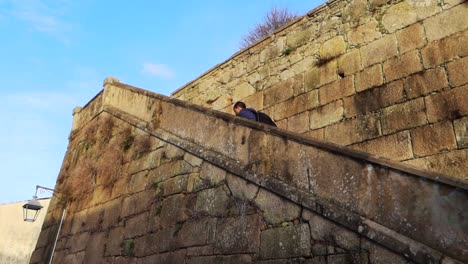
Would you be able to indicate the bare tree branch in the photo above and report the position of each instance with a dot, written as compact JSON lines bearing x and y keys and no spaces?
{"x":274,"y":19}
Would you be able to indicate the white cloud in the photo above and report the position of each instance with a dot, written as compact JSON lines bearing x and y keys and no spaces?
{"x":159,"y":70}
{"x":43,"y":16}
{"x":46,"y":101}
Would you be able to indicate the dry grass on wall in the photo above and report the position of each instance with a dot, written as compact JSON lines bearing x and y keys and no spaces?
{"x":109,"y":166}
{"x":82,"y":179}
{"x":105,"y":129}
{"x":142,"y":145}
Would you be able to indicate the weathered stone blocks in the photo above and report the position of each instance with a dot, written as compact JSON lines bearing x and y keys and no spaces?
{"x":349,"y":62}
{"x":461,"y":132}
{"x":364,"y":34}
{"x":379,"y":50}
{"x":446,"y":23}
{"x":395,"y":146}
{"x":369,"y":77}
{"x":444,"y":50}
{"x":402,"y":66}
{"x":332,"y":48}
{"x":451,"y":163}
{"x":433,"y":138}
{"x":212,"y":202}
{"x":408,"y":12}
{"x":285,"y":242}
{"x":423,"y":83}
{"x":336,"y":90}
{"x":326,"y":115}
{"x":299,"y":123}
{"x":375,"y":99}
{"x":403,"y":116}
{"x":457,"y":72}
{"x":450,"y":104}
{"x":238,"y":235}
{"x":353,"y":130}
{"x":277,"y":209}
{"x":411,"y":38}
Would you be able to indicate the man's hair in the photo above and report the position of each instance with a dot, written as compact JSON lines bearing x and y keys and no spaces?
{"x":240,"y":104}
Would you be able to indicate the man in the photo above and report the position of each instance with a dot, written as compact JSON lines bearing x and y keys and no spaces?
{"x":241,"y":110}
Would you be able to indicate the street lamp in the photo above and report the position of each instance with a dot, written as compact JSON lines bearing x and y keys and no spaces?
{"x":32,"y":208}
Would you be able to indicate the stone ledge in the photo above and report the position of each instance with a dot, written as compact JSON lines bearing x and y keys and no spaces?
{"x":333,"y":148}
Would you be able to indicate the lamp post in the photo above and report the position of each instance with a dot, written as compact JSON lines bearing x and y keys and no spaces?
{"x":32,"y":208}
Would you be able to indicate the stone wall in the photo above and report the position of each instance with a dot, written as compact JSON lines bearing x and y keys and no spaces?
{"x":151,"y":179}
{"x":386,"y":77}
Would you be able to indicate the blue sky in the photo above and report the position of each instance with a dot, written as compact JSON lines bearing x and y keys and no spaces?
{"x":55,"y":54}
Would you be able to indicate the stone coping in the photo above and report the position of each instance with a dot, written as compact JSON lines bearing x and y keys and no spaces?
{"x":331,"y":147}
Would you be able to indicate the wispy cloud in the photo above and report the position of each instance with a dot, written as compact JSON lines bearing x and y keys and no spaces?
{"x":37,"y":101}
{"x":160,"y":70}
{"x":44,"y":16}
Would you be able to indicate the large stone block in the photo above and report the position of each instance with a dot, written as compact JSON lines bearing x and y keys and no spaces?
{"x":285,"y":242}
{"x":299,"y":123}
{"x":214,"y":175}
{"x":336,"y":90}
{"x":136,"y":226}
{"x":198,"y":232}
{"x":212,"y":202}
{"x":242,"y":90}
{"x":449,"y":163}
{"x":434,"y":138}
{"x":374,"y":99}
{"x":278,"y":93}
{"x":446,"y":23}
{"x":457,"y":72}
{"x":403,"y":116}
{"x":241,"y":188}
{"x":169,"y":170}
{"x":395,"y":147}
{"x":411,"y":38}
{"x":296,"y":105}
{"x":149,"y":161}
{"x":370,"y":77}
{"x":332,"y":48}
{"x":402,"y":66}
{"x":425,"y":82}
{"x":255,"y":101}
{"x":94,"y":252}
{"x":450,"y":104}
{"x":111,"y":214}
{"x":349,"y":62}
{"x":364,"y":33}
{"x":137,"y":203}
{"x":176,"y":208}
{"x":444,"y":50}
{"x":275,"y":208}
{"x":461,"y":132}
{"x":353,"y":130}
{"x":326,"y":115}
{"x":379,"y":50}
{"x":320,"y":74}
{"x":408,"y":12}
{"x":238,"y":235}
{"x":175,"y":185}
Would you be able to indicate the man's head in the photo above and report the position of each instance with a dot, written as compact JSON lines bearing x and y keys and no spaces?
{"x":238,"y":106}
